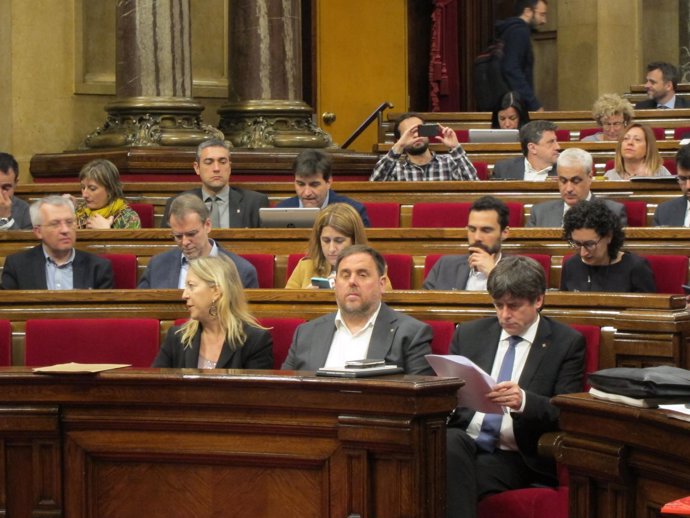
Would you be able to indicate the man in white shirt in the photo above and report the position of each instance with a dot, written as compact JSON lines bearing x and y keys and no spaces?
{"x":575,"y":176}
{"x":363,"y":327}
{"x":540,"y":151}
{"x":676,"y":212}
{"x":533,"y":358}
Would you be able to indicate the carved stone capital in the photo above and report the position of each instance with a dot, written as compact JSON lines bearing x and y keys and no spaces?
{"x":271,"y":123}
{"x":152,"y":121}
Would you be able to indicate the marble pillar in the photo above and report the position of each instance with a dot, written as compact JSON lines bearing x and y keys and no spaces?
{"x":153,"y":75}
{"x":265,"y":106}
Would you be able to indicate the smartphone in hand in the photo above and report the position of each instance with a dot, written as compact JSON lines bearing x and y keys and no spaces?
{"x":428,"y":130}
{"x":321,"y":283}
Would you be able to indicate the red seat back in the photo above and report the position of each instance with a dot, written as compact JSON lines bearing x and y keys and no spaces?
{"x":124,"y":270}
{"x":98,"y":340}
{"x":482,"y":169}
{"x":456,"y":214}
{"x":145,"y":211}
{"x":592,"y":336}
{"x":383,"y":214}
{"x":637,"y":213}
{"x":545,"y":261}
{"x":443,"y":334}
{"x":264,"y":268}
{"x":563,"y":135}
{"x":670,"y":272}
{"x":282,"y":330}
{"x":5,"y":343}
{"x":462,"y":134}
{"x":681,"y":133}
{"x":400,"y":267}
{"x":429,"y":262}
{"x":292,"y":261}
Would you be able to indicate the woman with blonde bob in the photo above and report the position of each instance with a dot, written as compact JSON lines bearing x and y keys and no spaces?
{"x":221,"y":333}
{"x":103,"y":205}
{"x":637,"y":155}
{"x":613,"y":114}
{"x":336,"y":227}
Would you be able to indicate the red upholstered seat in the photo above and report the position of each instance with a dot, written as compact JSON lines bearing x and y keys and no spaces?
{"x":637,"y":213}
{"x":429,"y":262}
{"x":5,"y":343}
{"x":124,"y":270}
{"x":264,"y":268}
{"x":282,"y":330}
{"x":463,"y":135}
{"x":543,"y":502}
{"x":292,"y":261}
{"x":482,"y":170}
{"x":670,"y":272}
{"x":681,"y":133}
{"x":563,"y":135}
{"x":443,"y":334}
{"x":456,"y":214}
{"x":400,"y":267}
{"x":98,"y":340}
{"x":383,"y":214}
{"x":145,"y":211}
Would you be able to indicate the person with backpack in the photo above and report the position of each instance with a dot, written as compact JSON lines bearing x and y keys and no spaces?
{"x":518,"y":59}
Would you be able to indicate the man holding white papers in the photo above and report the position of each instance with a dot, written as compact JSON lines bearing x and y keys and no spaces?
{"x":533,"y":358}
{"x":363,"y":327}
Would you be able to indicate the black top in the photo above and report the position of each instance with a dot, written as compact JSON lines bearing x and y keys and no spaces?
{"x":632,"y":274}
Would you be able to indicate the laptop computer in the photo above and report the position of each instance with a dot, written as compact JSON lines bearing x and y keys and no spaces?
{"x":288,"y":217}
{"x":494,"y":135}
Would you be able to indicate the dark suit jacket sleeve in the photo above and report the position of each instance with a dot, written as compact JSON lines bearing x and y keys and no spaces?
{"x":254,"y":201}
{"x":418,"y":346}
{"x":166,"y":354}
{"x":145,"y":281}
{"x":9,"y":274}
{"x":102,"y":273}
{"x":257,"y":352}
{"x":292,"y":361}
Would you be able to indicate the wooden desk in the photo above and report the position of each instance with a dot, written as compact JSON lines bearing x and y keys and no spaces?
{"x":637,"y":329}
{"x":161,"y":443}
{"x":623,"y":461}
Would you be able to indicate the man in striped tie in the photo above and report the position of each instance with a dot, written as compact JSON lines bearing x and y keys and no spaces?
{"x":533,"y":358}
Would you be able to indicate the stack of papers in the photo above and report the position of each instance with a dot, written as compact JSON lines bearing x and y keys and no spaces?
{"x":358,"y":372}
{"x":477,"y":382}
{"x":79,"y":368}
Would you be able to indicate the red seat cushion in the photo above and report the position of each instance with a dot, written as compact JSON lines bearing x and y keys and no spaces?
{"x":637,"y":213}
{"x":282,"y":330}
{"x":292,"y":261}
{"x":145,"y":211}
{"x":588,"y":131}
{"x":443,"y":333}
{"x":670,"y":272}
{"x":264,"y":268}
{"x":5,"y":343}
{"x":456,"y":214}
{"x":99,"y":340}
{"x":124,"y":270}
{"x":383,"y":214}
{"x":400,"y":267}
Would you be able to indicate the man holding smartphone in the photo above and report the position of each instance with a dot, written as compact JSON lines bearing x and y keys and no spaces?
{"x":410,"y":158}
{"x":363,"y":327}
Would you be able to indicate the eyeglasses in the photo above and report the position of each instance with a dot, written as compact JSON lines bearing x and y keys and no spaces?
{"x":616,"y":124}
{"x":70,"y":223}
{"x":587,"y":245}
{"x":682,"y":179}
{"x":189,"y":235}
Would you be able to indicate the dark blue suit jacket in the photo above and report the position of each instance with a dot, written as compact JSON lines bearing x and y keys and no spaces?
{"x":163,"y":270}
{"x":671,"y":213}
{"x":27,"y":271}
{"x":333,"y":197}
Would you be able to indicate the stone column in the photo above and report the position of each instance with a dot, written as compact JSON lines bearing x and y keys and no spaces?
{"x":154,"y":105}
{"x":265,"y":106}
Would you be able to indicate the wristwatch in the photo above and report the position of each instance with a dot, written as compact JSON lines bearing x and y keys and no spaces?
{"x":4,"y":221}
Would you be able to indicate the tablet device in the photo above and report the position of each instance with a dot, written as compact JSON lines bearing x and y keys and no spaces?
{"x":288,"y":217}
{"x":494,"y":135}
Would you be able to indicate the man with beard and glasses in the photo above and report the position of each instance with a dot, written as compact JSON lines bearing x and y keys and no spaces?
{"x":410,"y":158}
{"x":676,"y":212}
{"x":363,"y":327}
{"x":518,"y":58}
{"x":487,"y":227}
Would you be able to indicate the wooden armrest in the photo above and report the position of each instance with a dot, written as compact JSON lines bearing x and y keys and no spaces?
{"x":548,"y":443}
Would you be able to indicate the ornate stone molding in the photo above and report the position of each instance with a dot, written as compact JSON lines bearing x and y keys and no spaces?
{"x":271,"y":123}
{"x":152,"y":121}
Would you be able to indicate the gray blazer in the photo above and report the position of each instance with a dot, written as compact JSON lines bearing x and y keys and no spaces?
{"x":397,"y":338}
{"x":163,"y":270}
{"x":243,"y":208}
{"x":550,"y":213}
{"x":671,"y":213}
{"x":449,"y":273}
{"x":513,"y":169}
{"x":20,"y":214}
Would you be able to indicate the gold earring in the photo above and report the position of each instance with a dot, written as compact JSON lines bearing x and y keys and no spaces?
{"x":213,"y":310}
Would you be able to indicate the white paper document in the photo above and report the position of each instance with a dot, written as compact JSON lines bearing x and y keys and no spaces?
{"x":477,"y":382}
